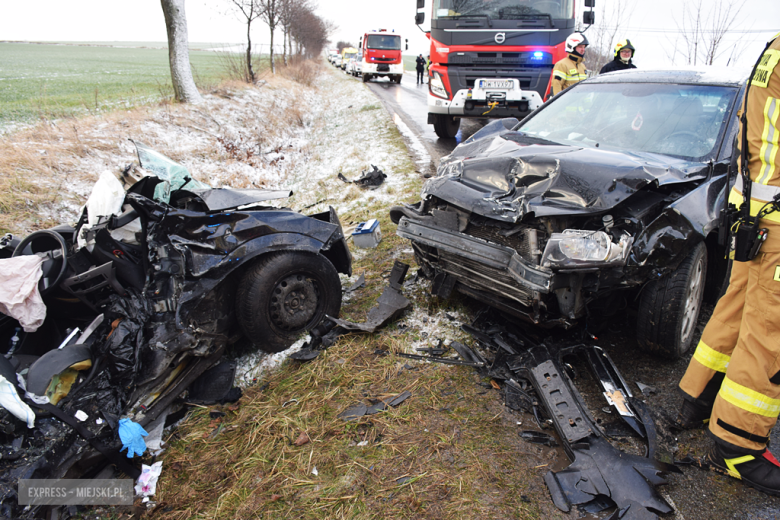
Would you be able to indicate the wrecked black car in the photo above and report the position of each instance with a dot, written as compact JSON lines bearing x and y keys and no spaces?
{"x":141,"y":298}
{"x":607,"y":195}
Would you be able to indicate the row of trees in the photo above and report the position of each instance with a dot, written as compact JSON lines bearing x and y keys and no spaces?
{"x":303,"y":32}
{"x":701,"y":29}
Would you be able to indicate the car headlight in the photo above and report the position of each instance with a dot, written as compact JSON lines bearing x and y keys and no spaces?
{"x":437,"y":86}
{"x":582,"y":248}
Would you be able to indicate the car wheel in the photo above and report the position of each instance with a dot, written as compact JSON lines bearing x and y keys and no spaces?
{"x":365,"y":78}
{"x":398,"y":79}
{"x":669,"y":307}
{"x":285,"y":294}
{"x":446,"y":127}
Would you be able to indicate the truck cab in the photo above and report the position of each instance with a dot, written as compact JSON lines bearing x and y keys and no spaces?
{"x":382,"y":51}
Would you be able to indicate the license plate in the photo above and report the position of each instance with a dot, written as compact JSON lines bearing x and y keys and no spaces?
{"x":496,"y":83}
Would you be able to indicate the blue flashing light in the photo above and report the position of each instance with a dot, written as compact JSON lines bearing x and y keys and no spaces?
{"x":538,"y":55}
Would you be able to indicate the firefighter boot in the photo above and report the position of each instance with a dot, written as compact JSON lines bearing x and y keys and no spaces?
{"x":692,"y":415}
{"x":758,"y":469}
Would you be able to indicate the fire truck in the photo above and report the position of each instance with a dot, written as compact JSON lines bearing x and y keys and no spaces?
{"x":493,"y":58}
{"x":382,"y":55}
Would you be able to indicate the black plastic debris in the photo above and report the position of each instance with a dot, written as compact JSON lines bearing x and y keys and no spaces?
{"x":390,"y":305}
{"x":215,"y":385}
{"x":359,"y":410}
{"x":646,"y":389}
{"x":360,"y":282}
{"x":369,"y":178}
{"x":538,"y":438}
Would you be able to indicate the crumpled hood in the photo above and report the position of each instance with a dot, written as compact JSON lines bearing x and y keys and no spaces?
{"x":502,"y":178}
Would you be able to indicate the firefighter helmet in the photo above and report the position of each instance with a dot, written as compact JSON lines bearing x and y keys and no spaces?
{"x":624,"y":44}
{"x":574,"y":40}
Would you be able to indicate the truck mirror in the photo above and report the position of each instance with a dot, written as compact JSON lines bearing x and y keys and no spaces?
{"x":419,"y":18}
{"x":588,"y":17}
{"x":421,"y":4}
{"x":590,"y":3}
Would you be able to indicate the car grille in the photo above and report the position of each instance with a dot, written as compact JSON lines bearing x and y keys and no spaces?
{"x":479,"y":276}
{"x":517,"y":241}
{"x":385,"y":59}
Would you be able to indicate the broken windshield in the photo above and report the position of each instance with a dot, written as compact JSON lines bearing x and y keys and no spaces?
{"x":502,"y":9}
{"x":174,"y":175}
{"x":682,"y":120}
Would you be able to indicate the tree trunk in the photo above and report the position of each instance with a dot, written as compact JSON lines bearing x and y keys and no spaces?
{"x":273,"y":66}
{"x":285,"y":37}
{"x":250,"y":71}
{"x":179,"y":53}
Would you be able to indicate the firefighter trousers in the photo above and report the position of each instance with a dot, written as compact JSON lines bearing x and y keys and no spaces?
{"x":736,"y":365}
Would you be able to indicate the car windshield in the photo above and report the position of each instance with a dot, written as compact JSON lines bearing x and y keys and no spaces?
{"x":350,"y":55}
{"x":385,"y":41}
{"x":687,"y":121}
{"x":502,"y":9}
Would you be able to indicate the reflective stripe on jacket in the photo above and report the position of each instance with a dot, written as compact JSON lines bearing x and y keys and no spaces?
{"x":567,"y":72}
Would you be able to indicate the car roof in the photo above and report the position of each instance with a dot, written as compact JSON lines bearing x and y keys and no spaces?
{"x":725,"y":76}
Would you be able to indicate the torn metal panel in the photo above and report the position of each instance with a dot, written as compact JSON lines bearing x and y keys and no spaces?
{"x":219,"y":199}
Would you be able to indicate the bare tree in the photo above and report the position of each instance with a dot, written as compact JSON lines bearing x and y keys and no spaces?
{"x":702,"y":28}
{"x":271,"y":14}
{"x":607,"y":30}
{"x":250,"y":11}
{"x":178,"y":52}
{"x":310,"y":32}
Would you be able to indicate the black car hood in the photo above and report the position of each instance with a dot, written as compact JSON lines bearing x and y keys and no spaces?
{"x":501,"y":177}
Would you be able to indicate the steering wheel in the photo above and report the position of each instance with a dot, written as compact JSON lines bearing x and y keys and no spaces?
{"x":53,"y":259}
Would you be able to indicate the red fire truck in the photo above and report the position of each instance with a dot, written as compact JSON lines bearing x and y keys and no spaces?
{"x":493,"y":58}
{"x":381,"y":50}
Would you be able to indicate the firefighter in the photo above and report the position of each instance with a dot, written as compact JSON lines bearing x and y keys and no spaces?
{"x":733,"y":380}
{"x":570,"y":69}
{"x":624,"y":52}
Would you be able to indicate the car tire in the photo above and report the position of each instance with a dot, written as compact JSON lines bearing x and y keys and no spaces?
{"x":365,"y":78}
{"x":285,"y":294}
{"x":398,"y":79}
{"x":669,"y":307}
{"x":446,"y":127}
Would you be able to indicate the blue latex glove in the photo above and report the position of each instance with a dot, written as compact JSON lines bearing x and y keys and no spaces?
{"x":132,"y":437}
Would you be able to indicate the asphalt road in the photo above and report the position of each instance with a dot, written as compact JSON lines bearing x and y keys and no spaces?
{"x":695,"y":493}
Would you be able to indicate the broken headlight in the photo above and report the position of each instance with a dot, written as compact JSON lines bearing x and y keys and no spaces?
{"x":581,"y":248}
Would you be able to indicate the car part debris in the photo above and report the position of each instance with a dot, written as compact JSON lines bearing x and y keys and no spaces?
{"x":598,"y":469}
{"x":538,"y":438}
{"x":446,"y":361}
{"x":646,"y":389}
{"x":367,"y":235}
{"x":371,"y":179}
{"x":360,"y":282}
{"x":390,"y":305}
{"x":359,"y":410}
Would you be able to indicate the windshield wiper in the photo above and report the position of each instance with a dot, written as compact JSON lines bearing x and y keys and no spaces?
{"x":460,"y":16}
{"x":523,"y":138}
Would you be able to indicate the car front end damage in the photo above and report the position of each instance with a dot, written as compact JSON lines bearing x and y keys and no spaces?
{"x":542,"y":231}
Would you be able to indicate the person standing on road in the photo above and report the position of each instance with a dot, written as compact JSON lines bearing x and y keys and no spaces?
{"x":570,"y":69}
{"x":624,"y":52}
{"x":427,"y":66}
{"x":733,"y":380}
{"x":420,"y":68}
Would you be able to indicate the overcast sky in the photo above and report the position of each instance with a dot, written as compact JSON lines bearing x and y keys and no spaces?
{"x":652,"y":28}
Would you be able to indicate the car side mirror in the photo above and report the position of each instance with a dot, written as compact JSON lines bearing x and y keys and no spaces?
{"x":420,"y":4}
{"x":590,"y":3}
{"x":419,"y":18}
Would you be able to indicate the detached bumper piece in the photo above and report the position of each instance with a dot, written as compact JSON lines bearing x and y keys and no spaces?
{"x":600,"y":476}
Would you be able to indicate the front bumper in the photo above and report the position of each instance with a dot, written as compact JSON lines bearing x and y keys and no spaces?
{"x":476,"y":102}
{"x":478,"y":263}
{"x":382,"y":69}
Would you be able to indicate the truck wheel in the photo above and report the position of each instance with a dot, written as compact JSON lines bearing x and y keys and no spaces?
{"x":669,"y":307}
{"x":398,"y":79}
{"x":365,"y":78}
{"x":446,"y":127}
{"x":285,"y":294}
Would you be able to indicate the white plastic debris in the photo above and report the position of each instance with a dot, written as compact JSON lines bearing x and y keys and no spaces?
{"x":10,"y":400}
{"x":362,"y":443}
{"x":314,"y":471}
{"x":146,"y":485}
{"x":19,"y":296}
{"x":81,"y":416}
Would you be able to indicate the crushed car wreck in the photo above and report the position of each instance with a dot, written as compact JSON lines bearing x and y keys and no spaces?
{"x":609,"y":193}
{"x":143,"y":296}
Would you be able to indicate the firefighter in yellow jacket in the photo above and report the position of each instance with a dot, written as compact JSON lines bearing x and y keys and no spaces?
{"x":570,"y":69}
{"x":733,"y":380}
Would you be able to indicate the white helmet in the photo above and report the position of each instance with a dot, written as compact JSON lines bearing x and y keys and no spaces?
{"x":574,"y":40}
